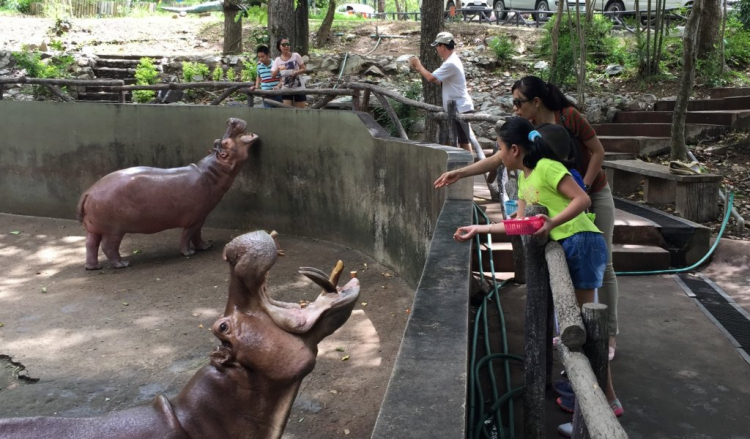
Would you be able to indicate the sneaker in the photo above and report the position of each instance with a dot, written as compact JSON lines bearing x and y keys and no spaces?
{"x":567,"y":403}
{"x":565,"y":429}
{"x":617,"y":407}
{"x":563,"y":388}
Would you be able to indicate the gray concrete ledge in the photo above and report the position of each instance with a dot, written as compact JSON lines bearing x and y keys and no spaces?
{"x":426,"y":396}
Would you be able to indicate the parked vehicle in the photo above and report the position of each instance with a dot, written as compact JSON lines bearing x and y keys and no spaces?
{"x":502,"y":6}
{"x":629,"y":5}
{"x":466,"y":4}
{"x":355,"y":8}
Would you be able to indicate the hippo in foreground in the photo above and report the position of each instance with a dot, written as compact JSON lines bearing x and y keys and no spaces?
{"x":267,"y":348}
{"x":150,"y":200}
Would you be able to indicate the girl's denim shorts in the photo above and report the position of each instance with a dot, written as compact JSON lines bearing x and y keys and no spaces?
{"x":586,"y":254}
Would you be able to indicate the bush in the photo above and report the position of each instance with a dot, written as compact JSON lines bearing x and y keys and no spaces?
{"x":22,"y":6}
{"x":217,"y":74}
{"x":146,"y":73}
{"x":35,"y":67}
{"x":743,"y":13}
{"x":737,"y":41}
{"x":502,"y":47}
{"x":600,"y":45}
{"x":231,"y":75}
{"x":194,"y":71}
{"x":249,"y":72}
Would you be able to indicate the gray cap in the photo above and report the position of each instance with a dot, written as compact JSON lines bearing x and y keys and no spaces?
{"x":443,"y":38}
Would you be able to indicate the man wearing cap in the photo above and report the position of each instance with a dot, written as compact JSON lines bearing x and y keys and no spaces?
{"x":452,"y":78}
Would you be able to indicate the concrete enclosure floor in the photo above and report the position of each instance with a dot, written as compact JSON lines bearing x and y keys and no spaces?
{"x":112,"y":339}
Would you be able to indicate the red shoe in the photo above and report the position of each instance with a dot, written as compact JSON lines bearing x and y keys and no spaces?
{"x":567,"y":403}
{"x":617,"y":408}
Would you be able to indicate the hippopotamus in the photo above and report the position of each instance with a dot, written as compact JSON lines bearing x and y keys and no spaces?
{"x":246,"y":391}
{"x":149,"y":200}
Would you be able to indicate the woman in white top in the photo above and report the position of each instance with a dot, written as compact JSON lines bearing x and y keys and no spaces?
{"x":289,"y":66}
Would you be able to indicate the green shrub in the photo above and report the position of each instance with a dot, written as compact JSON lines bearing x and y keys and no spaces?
{"x":600,"y":45}
{"x":35,"y":67}
{"x":146,"y":73}
{"x":249,"y":72}
{"x":502,"y":46}
{"x":194,"y":71}
{"x":737,"y":42}
{"x":217,"y":74}
{"x":231,"y":75}
{"x":742,"y":9}
{"x":22,"y":6}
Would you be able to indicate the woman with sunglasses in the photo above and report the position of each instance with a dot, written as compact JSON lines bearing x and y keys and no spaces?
{"x":542,"y":102}
{"x":289,"y":66}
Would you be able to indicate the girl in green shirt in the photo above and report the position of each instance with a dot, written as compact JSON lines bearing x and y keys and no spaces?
{"x":544,"y":180}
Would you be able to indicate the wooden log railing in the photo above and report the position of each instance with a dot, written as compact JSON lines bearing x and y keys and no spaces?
{"x":583,"y":347}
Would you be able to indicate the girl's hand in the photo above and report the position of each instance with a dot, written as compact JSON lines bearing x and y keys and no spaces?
{"x":466,"y":233}
{"x":447,"y":179}
{"x":546,"y":228}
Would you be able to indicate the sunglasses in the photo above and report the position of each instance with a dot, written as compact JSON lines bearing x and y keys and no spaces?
{"x":518,"y":102}
{"x":286,"y":44}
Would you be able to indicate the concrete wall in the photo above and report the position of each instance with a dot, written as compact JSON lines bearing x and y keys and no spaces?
{"x":314,"y":173}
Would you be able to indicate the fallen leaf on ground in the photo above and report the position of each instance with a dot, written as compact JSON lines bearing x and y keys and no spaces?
{"x":335,"y":392}
{"x":125,"y":303}
{"x":2,"y":324}
{"x":301,"y":419}
{"x":345,"y":358}
{"x":15,"y":232}
{"x":44,"y":289}
{"x":195,"y":314}
{"x":200,"y":325}
{"x":339,"y":349}
{"x":135,"y":252}
{"x":346,"y":431}
{"x":364,"y":303}
{"x":386,"y":274}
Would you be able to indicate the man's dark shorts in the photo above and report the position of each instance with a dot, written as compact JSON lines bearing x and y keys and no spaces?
{"x":294,"y":98}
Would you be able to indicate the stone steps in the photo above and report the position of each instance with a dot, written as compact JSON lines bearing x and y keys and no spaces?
{"x":735,"y":119}
{"x":721,"y":104}
{"x":693,"y":132}
{"x":113,"y":67}
{"x":638,"y":145}
{"x":728,"y":92}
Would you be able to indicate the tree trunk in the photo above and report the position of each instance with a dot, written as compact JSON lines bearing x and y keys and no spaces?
{"x":302,"y":28}
{"x":232,"y":30}
{"x":381,"y":6}
{"x":324,"y":33}
{"x":689,"y":52}
{"x":555,"y":39}
{"x":432,"y":24}
{"x":581,"y":32}
{"x":709,"y":28}
{"x":280,"y":22}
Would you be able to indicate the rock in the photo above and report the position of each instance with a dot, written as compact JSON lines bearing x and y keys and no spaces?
{"x":310,"y":67}
{"x":43,"y":46}
{"x":614,"y":70}
{"x":329,"y":64}
{"x":350,"y":37}
{"x":171,"y":96}
{"x":404,"y":69}
{"x":183,"y":14}
{"x":480,"y":48}
{"x":390,"y":68}
{"x":541,"y":65}
{"x":374,"y":71}
{"x":611,"y":113}
{"x":418,"y":126}
{"x":404,"y":58}
{"x":231,"y":60}
{"x":305,"y":59}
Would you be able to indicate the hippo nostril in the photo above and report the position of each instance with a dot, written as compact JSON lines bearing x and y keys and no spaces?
{"x":223,"y":327}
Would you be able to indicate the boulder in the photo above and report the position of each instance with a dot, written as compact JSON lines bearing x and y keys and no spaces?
{"x":374,"y":71}
{"x":329,"y":64}
{"x":354,"y":65}
{"x":390,"y":68}
{"x":614,"y":70}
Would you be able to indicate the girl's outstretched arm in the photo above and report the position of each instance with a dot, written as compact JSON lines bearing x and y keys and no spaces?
{"x":489,"y":164}
{"x":467,"y":232}
{"x":579,"y":202}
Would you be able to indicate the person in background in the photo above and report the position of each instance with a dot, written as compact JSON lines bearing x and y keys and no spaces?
{"x":542,"y":102}
{"x":264,"y":78}
{"x":289,"y":66}
{"x":452,"y":78}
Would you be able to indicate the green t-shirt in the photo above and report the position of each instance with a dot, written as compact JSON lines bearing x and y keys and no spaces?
{"x":540,"y":187}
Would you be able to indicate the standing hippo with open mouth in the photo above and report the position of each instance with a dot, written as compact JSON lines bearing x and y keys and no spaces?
{"x":150,"y":200}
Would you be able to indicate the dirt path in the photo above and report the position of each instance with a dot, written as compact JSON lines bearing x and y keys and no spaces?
{"x":112,"y":339}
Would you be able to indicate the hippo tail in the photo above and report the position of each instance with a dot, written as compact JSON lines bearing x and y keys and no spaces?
{"x":79,"y":208}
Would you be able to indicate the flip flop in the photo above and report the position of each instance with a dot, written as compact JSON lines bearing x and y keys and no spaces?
{"x":680,"y":168}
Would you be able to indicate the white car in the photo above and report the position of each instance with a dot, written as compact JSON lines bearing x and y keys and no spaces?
{"x":466,"y":4}
{"x":502,"y":6}
{"x":629,"y":5}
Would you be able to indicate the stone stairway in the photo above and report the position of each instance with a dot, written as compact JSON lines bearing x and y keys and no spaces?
{"x":112,"y":67}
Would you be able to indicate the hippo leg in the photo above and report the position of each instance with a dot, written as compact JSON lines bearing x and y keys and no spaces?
{"x":187,"y":236}
{"x":92,"y":251}
{"x":198,"y":243}
{"x":111,"y":248}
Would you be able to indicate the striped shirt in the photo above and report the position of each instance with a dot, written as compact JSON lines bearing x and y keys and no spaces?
{"x":264,"y":73}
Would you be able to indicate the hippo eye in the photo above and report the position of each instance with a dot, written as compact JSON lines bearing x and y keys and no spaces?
{"x":223,"y":327}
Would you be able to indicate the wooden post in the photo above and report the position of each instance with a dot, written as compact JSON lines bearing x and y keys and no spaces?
{"x":535,"y":331}
{"x":355,"y":100}
{"x":452,"y":112}
{"x":597,"y":338}
{"x":250,"y":100}
{"x":122,"y":96}
{"x":572,"y":331}
{"x":1,"y":91}
{"x":366,"y":100}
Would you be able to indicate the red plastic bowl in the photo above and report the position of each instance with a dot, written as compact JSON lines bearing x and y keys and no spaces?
{"x":524,"y":226}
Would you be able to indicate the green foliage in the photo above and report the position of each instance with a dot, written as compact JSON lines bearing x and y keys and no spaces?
{"x":57,"y":45}
{"x":22,"y":6}
{"x":600,"y":45}
{"x":249,"y":72}
{"x":742,"y":9}
{"x":231,"y":75}
{"x":502,"y":46}
{"x":256,"y":14}
{"x":217,"y":74}
{"x":35,"y":67}
{"x":406,"y":114}
{"x":194,"y":71}
{"x":737,"y":41}
{"x":146,"y":73}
